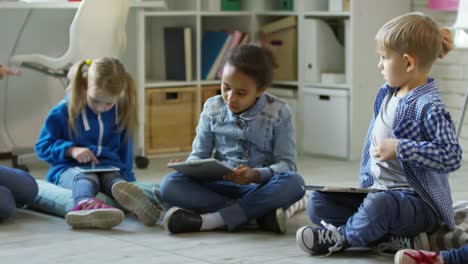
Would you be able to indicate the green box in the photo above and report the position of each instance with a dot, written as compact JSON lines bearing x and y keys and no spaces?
{"x":286,"y":5}
{"x":230,"y":5}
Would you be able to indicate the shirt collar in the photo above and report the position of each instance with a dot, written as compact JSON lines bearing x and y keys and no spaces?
{"x":428,"y":87}
{"x":252,"y":111}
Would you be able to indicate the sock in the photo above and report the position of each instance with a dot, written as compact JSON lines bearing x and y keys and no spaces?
{"x":211,"y":221}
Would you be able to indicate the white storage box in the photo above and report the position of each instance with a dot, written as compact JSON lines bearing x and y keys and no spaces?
{"x":325,"y":122}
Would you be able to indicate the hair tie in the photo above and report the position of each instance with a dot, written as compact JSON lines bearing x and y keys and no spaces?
{"x":88,"y":62}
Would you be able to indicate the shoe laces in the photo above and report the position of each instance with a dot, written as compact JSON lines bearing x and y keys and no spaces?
{"x":330,"y":235}
{"x":93,"y":203}
{"x":421,"y":257}
{"x":394,"y":244}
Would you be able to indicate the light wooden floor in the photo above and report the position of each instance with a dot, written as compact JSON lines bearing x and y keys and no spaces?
{"x":32,"y":237}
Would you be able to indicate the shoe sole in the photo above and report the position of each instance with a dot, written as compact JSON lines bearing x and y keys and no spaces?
{"x":399,"y":257}
{"x":281,"y":219}
{"x":167,"y":218}
{"x":300,"y":240}
{"x":94,"y":219}
{"x":423,"y":241}
{"x":134,"y":199}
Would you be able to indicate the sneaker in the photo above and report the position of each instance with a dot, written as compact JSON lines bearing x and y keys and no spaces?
{"x":411,"y":256}
{"x":274,"y":221}
{"x":396,"y":243}
{"x":158,"y":197}
{"x":178,"y":220}
{"x":132,"y":198}
{"x":317,"y":239}
{"x":94,"y":213}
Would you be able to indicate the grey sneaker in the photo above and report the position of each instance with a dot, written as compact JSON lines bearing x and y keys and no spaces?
{"x":132,"y":198}
{"x":395,"y":243}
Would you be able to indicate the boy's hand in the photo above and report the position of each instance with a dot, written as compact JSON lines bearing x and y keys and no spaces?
{"x":386,"y":149}
{"x":243,"y":175}
{"x":82,"y":155}
{"x":8,"y":71}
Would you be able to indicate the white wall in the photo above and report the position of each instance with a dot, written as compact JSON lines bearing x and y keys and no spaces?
{"x":451,"y":73}
{"x":26,"y":101}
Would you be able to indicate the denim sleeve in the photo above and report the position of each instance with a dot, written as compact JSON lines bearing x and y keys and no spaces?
{"x":202,"y":146}
{"x":284,"y":147}
{"x":441,"y":151}
{"x":53,"y":141}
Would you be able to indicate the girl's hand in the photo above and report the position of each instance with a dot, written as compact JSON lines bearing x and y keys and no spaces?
{"x":243,"y":175}
{"x":386,"y":149}
{"x":174,"y":160}
{"x":8,"y":71}
{"x":82,"y":155}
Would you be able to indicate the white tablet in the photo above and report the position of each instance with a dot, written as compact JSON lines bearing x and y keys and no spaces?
{"x":203,"y":170}
{"x":339,"y":189}
{"x":97,"y":168}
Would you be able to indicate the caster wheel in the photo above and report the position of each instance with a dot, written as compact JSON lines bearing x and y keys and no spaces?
{"x":141,"y":162}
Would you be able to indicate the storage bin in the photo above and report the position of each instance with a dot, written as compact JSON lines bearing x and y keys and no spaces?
{"x":326,"y":122}
{"x":281,"y":37}
{"x":209,"y":91}
{"x":170,"y":119}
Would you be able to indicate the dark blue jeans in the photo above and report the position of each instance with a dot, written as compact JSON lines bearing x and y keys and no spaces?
{"x":368,"y":218}
{"x":237,"y":204}
{"x":17,"y":188}
{"x":455,"y":256}
{"x":87,"y":185}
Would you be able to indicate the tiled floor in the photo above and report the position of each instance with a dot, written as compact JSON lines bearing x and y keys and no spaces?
{"x":32,"y":237}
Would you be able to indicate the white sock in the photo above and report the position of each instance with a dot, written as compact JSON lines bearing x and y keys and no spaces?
{"x":211,"y":221}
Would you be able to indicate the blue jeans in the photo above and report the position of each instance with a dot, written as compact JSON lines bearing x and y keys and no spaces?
{"x":17,"y":188}
{"x":368,"y":218}
{"x":87,"y":185}
{"x":236,"y":203}
{"x":455,"y":256}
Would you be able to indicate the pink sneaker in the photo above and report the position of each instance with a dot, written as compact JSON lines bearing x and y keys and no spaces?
{"x":94,"y":213}
{"x":412,"y":256}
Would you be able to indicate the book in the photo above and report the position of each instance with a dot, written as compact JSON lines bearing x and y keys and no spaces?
{"x":178,"y":53}
{"x":339,"y":189}
{"x":212,"y":44}
{"x":236,"y":39}
{"x":219,"y":58}
{"x":230,"y":5}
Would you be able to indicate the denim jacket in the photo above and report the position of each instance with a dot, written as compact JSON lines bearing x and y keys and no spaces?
{"x":428,"y":149}
{"x":261,"y":137}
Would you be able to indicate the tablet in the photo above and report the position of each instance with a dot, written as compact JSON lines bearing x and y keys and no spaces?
{"x":339,"y":189}
{"x":97,"y":168}
{"x":203,"y":170}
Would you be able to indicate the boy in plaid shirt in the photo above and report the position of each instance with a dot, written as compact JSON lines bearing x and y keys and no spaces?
{"x":409,"y":150}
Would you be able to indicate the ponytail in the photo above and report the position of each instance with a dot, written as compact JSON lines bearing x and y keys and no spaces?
{"x":127,"y":106}
{"x":77,"y":98}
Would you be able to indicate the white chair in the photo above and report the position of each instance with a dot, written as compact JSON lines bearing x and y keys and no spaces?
{"x":97,"y":30}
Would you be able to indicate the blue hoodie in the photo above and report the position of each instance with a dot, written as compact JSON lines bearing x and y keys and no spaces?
{"x":98,"y":132}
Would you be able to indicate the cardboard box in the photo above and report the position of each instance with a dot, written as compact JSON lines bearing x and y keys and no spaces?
{"x":281,"y":37}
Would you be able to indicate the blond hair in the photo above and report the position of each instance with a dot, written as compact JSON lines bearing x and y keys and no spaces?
{"x":412,"y":33}
{"x":109,"y":76}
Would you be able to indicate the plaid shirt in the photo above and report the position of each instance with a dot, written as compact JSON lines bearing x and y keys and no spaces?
{"x":428,"y":148}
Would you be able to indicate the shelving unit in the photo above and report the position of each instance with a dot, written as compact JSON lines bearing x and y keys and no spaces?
{"x":354,"y":29}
